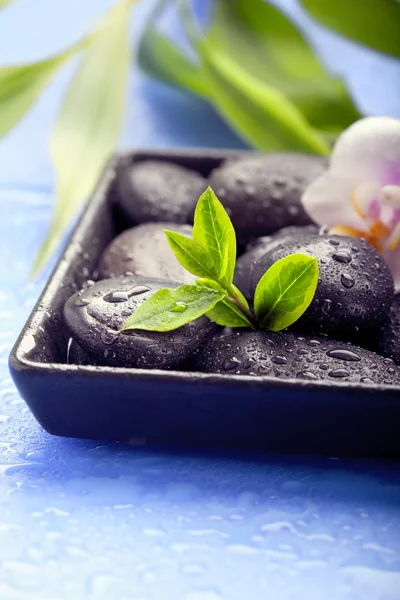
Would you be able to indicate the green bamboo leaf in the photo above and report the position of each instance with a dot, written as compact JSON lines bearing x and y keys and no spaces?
{"x":214,"y":231}
{"x":259,"y":112}
{"x":169,"y":309}
{"x":89,"y":122}
{"x":163,"y":60}
{"x":4,"y":3}
{"x":374,"y":23}
{"x":285,"y":291}
{"x":192,"y":255}
{"x":21,"y":85}
{"x":268,"y":46}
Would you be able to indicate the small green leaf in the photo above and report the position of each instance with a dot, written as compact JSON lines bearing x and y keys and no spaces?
{"x":169,"y":309}
{"x":22,"y":84}
{"x":375,"y":23}
{"x":214,"y":231}
{"x":227,"y":314}
{"x":90,"y":121}
{"x":191,"y":255}
{"x":285,"y":291}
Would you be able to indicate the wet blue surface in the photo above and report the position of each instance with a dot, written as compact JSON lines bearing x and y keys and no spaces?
{"x":80,"y":519}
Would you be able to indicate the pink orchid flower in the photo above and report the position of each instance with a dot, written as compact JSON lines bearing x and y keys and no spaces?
{"x":359,"y":195}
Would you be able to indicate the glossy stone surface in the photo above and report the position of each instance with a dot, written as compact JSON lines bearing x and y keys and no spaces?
{"x":287,"y":355}
{"x":159,"y":191}
{"x":388,"y":338}
{"x":355,"y":287}
{"x":144,"y":251}
{"x":262,"y":193}
{"x":96,"y":315}
{"x":97,"y":521}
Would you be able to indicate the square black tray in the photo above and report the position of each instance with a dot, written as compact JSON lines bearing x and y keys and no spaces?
{"x":180,"y":408}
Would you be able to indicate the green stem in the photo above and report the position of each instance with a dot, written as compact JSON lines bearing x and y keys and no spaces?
{"x":233,"y":297}
{"x":244,"y":310}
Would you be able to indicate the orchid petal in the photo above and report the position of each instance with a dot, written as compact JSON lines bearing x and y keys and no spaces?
{"x":370,"y":148}
{"x":328,"y":200}
{"x":392,"y":260}
{"x":391,"y":195}
{"x":366,"y":197}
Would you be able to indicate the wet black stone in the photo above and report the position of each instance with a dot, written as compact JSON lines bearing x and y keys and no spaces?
{"x":288,"y":355}
{"x":355,"y":289}
{"x":262,"y":193}
{"x":96,"y":323}
{"x":388,"y":339}
{"x":258,"y":247}
{"x":144,"y":251}
{"x":159,"y":191}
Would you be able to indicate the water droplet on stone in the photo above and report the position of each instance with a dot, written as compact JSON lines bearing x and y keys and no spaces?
{"x":344,"y":354}
{"x":306,"y":375}
{"x":327,"y":306}
{"x":342,"y":256}
{"x":123,"y":296}
{"x":230,"y":364}
{"x":347,"y":281}
{"x":82,"y":302}
{"x":334,"y":242}
{"x":108,"y":337}
{"x":367,"y":380}
{"x":338,"y":373}
{"x":279,"y":359}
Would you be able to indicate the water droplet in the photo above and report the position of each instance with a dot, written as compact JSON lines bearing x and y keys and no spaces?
{"x":306,"y":375}
{"x":347,"y":281}
{"x":342,"y":256}
{"x":124,"y":296}
{"x":82,"y":302}
{"x":327,"y":306}
{"x":334,"y":242}
{"x":279,"y":359}
{"x":108,"y":337}
{"x":179,"y":307}
{"x":344,"y":354}
{"x":366,"y":380}
{"x":230,"y":364}
{"x":302,"y":352}
{"x":338,"y":373}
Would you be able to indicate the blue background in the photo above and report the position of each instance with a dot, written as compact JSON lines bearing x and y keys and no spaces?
{"x":80,"y":519}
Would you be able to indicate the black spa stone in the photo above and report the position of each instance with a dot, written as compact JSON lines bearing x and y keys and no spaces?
{"x":355,"y":288}
{"x":144,"y":251}
{"x":388,"y":338}
{"x":159,"y":191}
{"x":96,"y":315}
{"x":287,"y":355}
{"x":261,"y":193}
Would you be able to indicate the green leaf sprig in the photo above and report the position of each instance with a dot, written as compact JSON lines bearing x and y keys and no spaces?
{"x":282,"y":295}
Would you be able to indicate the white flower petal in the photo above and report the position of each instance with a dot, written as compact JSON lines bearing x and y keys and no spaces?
{"x":328,"y":200}
{"x":370,"y":148}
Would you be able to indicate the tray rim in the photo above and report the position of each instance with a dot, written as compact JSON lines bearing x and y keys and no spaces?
{"x":18,"y":360}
